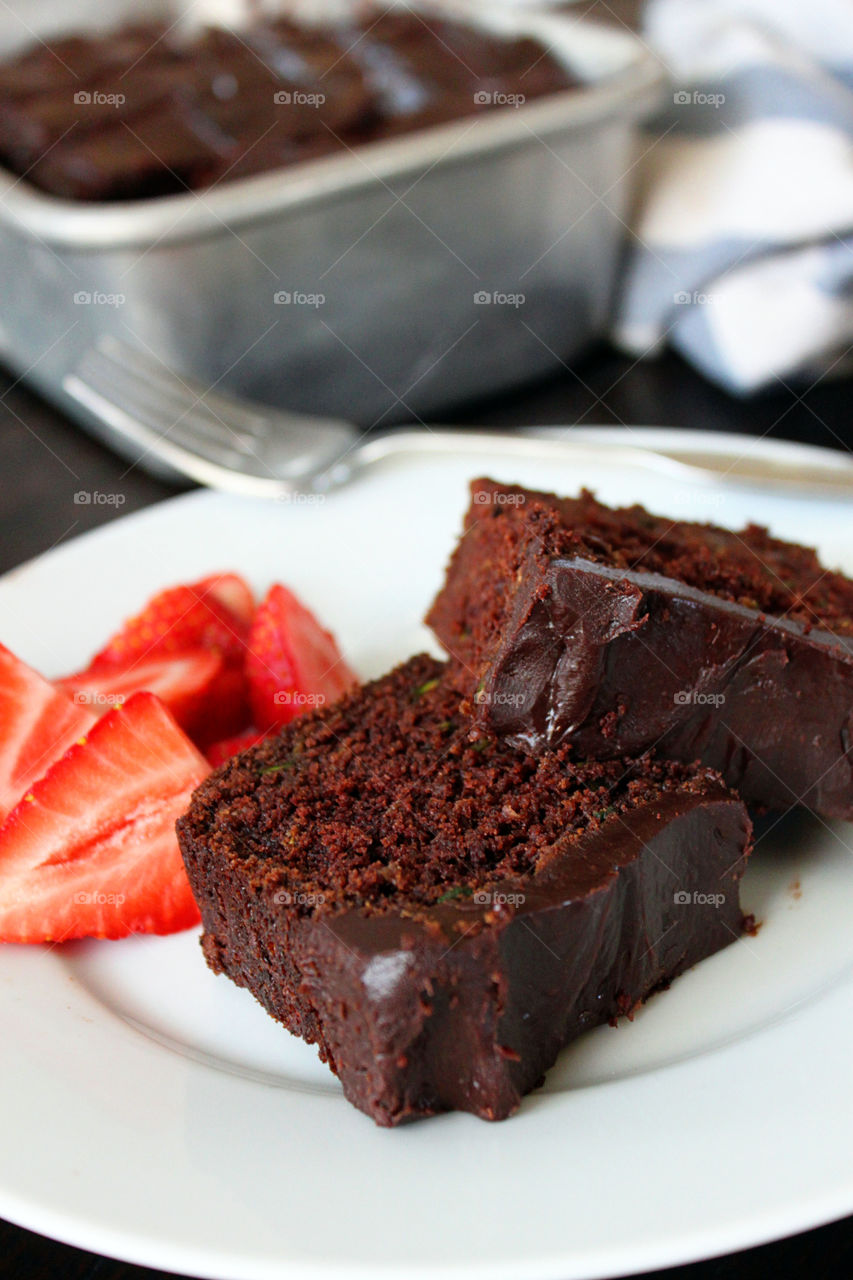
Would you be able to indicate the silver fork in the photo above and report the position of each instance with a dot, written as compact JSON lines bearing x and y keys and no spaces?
{"x":173,"y":423}
{"x":212,"y":438}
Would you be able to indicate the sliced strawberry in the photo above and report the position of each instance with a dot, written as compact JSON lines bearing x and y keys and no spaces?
{"x":228,"y":747}
{"x":226,"y":709}
{"x":185,"y":682}
{"x":91,"y":849}
{"x":233,"y":592}
{"x":214,"y":613}
{"x":292,"y":663}
{"x":38,"y":723}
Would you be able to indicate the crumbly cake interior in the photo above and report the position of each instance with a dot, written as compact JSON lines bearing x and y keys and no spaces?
{"x":384,"y":800}
{"x":747,"y":566}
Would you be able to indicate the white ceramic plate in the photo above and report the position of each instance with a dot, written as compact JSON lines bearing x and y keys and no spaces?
{"x":152,"y":1111}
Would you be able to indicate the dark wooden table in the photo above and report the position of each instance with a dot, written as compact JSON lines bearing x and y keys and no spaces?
{"x":44,"y":461}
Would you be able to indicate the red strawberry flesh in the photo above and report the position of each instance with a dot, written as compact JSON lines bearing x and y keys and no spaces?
{"x":293,"y":664}
{"x":223,"y":750}
{"x":231,"y":591}
{"x":38,"y":723}
{"x":184,"y":681}
{"x":211,"y":614}
{"x":91,"y":849}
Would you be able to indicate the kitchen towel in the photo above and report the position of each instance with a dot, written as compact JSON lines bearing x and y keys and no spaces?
{"x":742,"y":248}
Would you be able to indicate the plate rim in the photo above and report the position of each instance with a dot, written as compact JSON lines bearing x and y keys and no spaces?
{"x":142,"y":1249}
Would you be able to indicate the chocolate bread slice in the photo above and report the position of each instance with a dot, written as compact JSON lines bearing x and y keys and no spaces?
{"x":618,"y":631}
{"x":441,"y":916}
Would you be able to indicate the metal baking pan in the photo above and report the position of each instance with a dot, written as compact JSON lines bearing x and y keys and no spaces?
{"x":379,"y":285}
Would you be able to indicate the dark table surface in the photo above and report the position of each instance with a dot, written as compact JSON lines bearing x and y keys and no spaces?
{"x":44,"y":461}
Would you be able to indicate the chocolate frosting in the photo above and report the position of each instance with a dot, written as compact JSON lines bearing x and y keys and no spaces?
{"x":143,"y":111}
{"x":620,"y":662}
{"x":466,"y":1006}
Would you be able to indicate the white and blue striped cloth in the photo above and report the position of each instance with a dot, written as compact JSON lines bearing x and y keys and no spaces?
{"x":743,"y":258}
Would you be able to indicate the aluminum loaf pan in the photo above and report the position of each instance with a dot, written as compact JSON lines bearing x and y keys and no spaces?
{"x":381,"y":284}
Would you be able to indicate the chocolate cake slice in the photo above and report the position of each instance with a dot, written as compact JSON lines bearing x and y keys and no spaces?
{"x":617,"y":631}
{"x":440,"y":915}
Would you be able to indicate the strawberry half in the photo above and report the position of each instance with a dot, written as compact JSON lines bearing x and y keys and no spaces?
{"x":213,"y":614}
{"x":231,"y":591}
{"x":292,"y":663}
{"x":38,"y":723}
{"x":170,"y":649}
{"x":91,"y":849}
{"x":221,"y":751}
{"x":186,"y":682}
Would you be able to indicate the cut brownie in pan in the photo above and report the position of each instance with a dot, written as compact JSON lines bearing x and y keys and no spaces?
{"x":152,"y":110}
{"x":619,"y":631}
{"x":441,"y":915}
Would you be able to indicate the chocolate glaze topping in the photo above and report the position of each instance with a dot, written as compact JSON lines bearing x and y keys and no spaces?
{"x":147,"y":111}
